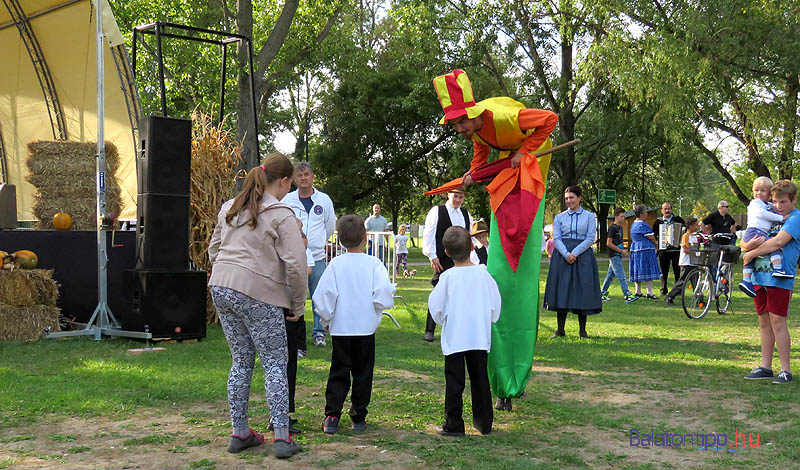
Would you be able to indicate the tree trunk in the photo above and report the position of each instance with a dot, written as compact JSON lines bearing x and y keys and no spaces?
{"x":267,"y":52}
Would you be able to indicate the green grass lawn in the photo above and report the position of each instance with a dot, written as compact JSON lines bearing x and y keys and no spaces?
{"x":76,"y":403}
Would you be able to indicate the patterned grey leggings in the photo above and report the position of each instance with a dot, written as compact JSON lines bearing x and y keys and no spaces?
{"x":251,"y":327}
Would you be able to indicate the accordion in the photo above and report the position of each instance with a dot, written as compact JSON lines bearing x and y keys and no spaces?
{"x":669,"y":236}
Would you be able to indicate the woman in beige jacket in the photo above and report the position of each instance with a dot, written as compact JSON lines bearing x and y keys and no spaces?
{"x":258,"y":273}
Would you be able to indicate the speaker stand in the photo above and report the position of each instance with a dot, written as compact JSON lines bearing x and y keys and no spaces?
{"x":102,"y":321}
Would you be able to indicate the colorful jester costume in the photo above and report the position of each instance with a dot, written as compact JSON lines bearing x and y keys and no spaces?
{"x":516,"y":198}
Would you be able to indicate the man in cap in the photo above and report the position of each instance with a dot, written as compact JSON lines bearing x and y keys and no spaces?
{"x":480,"y":233}
{"x":439,"y":219}
{"x":516,"y":195}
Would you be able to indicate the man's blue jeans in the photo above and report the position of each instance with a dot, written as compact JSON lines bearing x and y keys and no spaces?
{"x":615,"y":270}
{"x":313,"y":280}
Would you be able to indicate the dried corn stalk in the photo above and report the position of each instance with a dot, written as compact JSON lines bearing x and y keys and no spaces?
{"x":215,"y":157}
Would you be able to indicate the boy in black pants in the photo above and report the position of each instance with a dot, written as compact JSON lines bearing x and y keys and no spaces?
{"x":465,"y":302}
{"x":350,"y":298}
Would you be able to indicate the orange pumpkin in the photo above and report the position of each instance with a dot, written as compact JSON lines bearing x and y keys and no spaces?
{"x":25,"y":259}
{"x":62,"y":221}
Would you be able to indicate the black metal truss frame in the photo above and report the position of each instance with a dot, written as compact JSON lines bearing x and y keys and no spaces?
{"x":158,"y":29}
{"x":54,"y":110}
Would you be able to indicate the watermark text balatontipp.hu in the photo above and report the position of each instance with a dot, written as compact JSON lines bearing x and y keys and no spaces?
{"x":695,"y":441}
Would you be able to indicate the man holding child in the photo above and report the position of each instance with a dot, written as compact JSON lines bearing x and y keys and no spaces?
{"x":774,"y":293}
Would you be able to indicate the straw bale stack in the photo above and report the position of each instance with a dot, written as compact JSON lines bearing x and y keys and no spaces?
{"x":215,"y":157}
{"x":64,"y":174}
{"x":27,"y":304}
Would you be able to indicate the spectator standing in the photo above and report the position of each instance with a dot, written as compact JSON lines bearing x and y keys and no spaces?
{"x":352,"y":294}
{"x":480,"y":233}
{"x":439,"y":219}
{"x":644,"y":262}
{"x":466,"y":302}
{"x":401,"y":249}
{"x":721,"y":221}
{"x":376,"y":223}
{"x":774,"y":293}
{"x":669,"y":256}
{"x":573,"y":282}
{"x":686,"y":260}
{"x":258,"y":273}
{"x":616,"y":252}
{"x":315,"y":209}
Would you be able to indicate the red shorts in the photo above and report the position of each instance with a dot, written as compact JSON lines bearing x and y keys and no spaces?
{"x":773,"y":300}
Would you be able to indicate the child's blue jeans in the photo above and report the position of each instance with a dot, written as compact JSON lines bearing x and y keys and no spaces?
{"x":615,"y":269}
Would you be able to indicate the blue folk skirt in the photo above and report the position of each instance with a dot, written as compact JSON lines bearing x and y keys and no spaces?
{"x":573,"y":287}
{"x":644,"y":266}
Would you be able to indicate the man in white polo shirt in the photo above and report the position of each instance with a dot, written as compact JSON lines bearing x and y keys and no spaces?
{"x":315,"y":209}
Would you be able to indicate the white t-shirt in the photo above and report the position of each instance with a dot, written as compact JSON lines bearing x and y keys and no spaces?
{"x":465,"y":302}
{"x":760,"y":216}
{"x":352,"y":294}
{"x":401,"y":243}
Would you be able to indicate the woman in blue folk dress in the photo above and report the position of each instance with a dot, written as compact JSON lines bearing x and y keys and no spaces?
{"x":573,"y":283}
{"x":644,"y":262}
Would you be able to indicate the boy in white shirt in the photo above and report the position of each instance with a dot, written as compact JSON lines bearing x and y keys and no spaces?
{"x":350,"y":298}
{"x":465,"y":302}
{"x":760,"y":219}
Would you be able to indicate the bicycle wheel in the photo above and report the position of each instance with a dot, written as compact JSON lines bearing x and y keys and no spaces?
{"x":725,"y":286}
{"x":696,"y":293}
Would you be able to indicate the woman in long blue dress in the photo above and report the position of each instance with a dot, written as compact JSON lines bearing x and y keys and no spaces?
{"x":573,"y":283}
{"x":644,"y":262}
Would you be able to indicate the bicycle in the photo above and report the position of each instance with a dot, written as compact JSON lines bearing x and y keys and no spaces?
{"x":704,"y":282}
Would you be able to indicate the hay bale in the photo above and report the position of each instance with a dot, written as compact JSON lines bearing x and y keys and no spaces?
{"x":26,"y":323}
{"x":28,"y":288}
{"x":64,"y":174}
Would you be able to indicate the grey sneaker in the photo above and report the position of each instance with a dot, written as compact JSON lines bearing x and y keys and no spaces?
{"x":760,"y":373}
{"x":238,"y":444}
{"x":330,"y":425}
{"x":429,"y":336}
{"x":784,"y":377}
{"x":285,"y":449}
{"x":301,"y":354}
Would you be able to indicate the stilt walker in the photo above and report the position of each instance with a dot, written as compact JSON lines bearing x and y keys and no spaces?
{"x":518,"y":182}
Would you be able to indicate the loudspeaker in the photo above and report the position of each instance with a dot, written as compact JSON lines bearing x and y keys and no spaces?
{"x":171,"y":303}
{"x":165,"y":167}
{"x":162,"y":232}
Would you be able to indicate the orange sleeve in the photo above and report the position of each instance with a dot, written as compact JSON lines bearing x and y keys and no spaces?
{"x":542,"y":121}
{"x":480,"y":156}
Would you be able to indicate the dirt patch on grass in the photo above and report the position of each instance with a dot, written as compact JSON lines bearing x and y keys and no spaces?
{"x":196,"y":438}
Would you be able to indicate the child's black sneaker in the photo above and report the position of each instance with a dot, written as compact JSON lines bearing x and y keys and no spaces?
{"x":784,"y":377}
{"x":285,"y":449}
{"x":782,"y":273}
{"x":293,"y":429}
{"x":759,"y":373}
{"x":444,"y":432}
{"x":330,"y":425}
{"x":362,"y":426}
{"x":238,"y":444}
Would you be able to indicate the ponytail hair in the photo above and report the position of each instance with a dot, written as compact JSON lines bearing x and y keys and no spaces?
{"x":275,"y":167}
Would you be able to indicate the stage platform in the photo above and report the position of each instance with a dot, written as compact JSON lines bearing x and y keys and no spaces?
{"x":72,"y":255}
